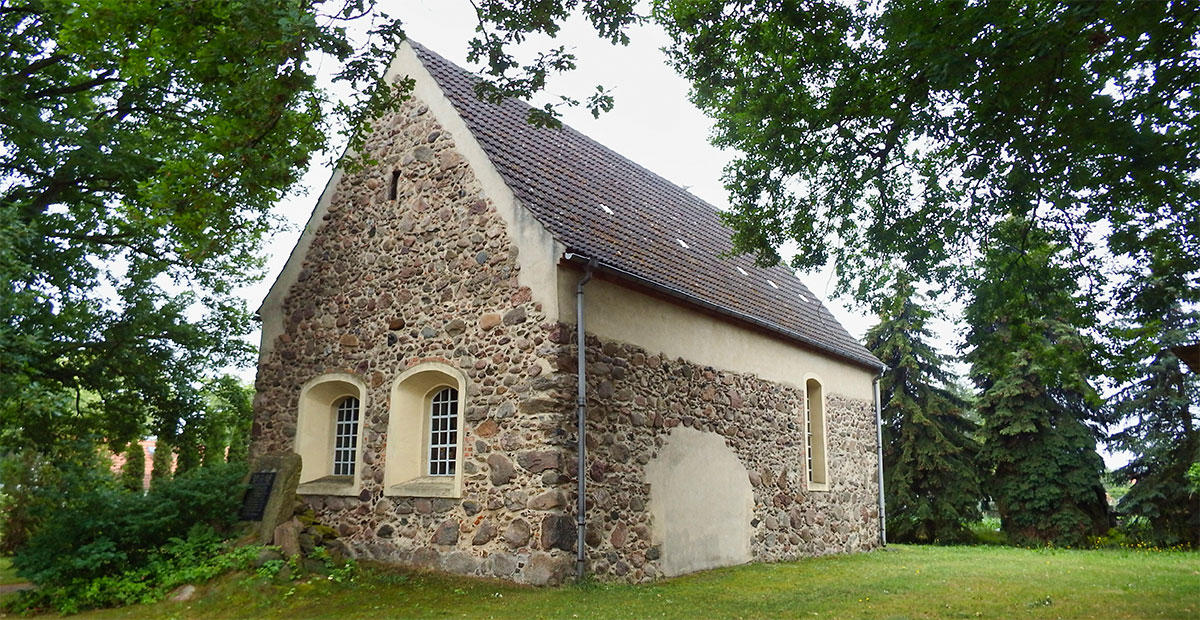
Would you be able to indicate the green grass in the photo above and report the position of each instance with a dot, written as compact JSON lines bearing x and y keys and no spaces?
{"x":901,"y":582}
{"x":8,"y":574}
{"x":987,"y":531}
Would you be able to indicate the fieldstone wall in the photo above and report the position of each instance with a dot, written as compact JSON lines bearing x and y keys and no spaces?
{"x":432,"y":275}
{"x":635,"y":397}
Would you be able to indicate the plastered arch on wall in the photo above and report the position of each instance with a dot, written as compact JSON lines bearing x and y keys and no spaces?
{"x":701,"y":502}
{"x":316,"y":429}
{"x":406,"y":459}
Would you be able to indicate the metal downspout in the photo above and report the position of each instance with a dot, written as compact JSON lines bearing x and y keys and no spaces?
{"x":580,"y":417}
{"x":879,"y":460}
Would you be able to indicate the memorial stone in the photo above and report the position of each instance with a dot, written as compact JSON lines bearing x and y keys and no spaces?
{"x":272,"y":483}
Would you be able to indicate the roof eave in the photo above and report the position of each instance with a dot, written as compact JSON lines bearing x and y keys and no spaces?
{"x":579,"y":258}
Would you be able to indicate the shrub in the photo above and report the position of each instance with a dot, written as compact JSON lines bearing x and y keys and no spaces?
{"x":18,"y":474}
{"x":1113,"y":539}
{"x":37,"y":484}
{"x":108,"y":531}
{"x":199,"y":556}
{"x":987,"y":531}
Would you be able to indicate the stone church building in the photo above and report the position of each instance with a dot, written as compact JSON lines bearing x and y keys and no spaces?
{"x":419,"y":352}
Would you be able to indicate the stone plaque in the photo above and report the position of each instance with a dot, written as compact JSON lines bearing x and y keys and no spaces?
{"x":278,"y":499}
{"x":254,"y":504}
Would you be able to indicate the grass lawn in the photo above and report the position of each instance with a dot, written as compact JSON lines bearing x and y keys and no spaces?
{"x":901,"y":582}
{"x":8,"y":574}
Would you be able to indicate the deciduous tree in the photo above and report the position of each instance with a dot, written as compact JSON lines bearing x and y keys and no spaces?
{"x":142,"y":146}
{"x":913,"y":128}
{"x":231,"y":400}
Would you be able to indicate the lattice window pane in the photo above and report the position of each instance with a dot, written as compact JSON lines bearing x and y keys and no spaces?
{"x":808,"y":439}
{"x":345,"y":449}
{"x":443,"y":432}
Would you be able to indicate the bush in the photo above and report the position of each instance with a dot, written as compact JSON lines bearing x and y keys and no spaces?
{"x":103,"y":546}
{"x":1112,"y":539}
{"x":37,"y":484}
{"x":199,"y":556}
{"x":18,"y":476}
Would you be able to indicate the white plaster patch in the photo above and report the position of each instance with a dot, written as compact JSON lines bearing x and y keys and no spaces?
{"x":701,"y":502}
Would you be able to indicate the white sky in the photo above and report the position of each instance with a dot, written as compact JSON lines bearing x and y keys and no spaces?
{"x":653,"y":124}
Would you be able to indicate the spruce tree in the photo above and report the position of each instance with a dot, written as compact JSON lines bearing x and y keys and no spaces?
{"x":1164,"y":436}
{"x":1033,"y":362}
{"x":931,"y":480}
{"x":133,"y":472}
{"x":1159,"y":404}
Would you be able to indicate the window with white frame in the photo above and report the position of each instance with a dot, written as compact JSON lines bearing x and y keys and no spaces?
{"x":443,"y":432}
{"x":814,"y":434}
{"x":329,"y":426}
{"x":425,"y":429}
{"x":345,"y":438}
{"x":808,"y":442}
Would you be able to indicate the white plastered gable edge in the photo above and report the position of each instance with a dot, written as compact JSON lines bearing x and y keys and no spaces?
{"x":537,"y":249}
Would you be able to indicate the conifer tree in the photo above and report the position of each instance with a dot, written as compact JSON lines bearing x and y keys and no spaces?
{"x":931,"y":480}
{"x":133,"y":472}
{"x":1032,"y":363}
{"x":162,"y":461}
{"x":189,"y":453}
{"x":1159,"y":405}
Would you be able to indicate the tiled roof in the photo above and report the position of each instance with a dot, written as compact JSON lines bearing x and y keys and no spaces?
{"x":636,"y":223}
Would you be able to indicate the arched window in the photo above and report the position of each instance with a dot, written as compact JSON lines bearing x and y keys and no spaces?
{"x":345,"y":446}
{"x":814,"y":435}
{"x":329,"y":427}
{"x":443,"y":432}
{"x":425,"y":432}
